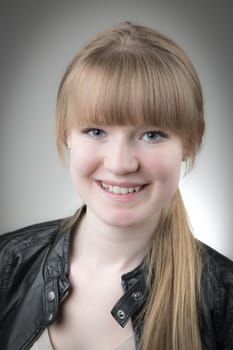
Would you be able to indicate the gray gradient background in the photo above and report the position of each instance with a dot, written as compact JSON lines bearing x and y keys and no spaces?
{"x":38,"y":39}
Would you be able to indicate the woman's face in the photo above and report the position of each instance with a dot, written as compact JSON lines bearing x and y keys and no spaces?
{"x":124,"y":174}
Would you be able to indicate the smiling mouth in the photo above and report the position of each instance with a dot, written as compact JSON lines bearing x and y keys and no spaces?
{"x":121,"y":189}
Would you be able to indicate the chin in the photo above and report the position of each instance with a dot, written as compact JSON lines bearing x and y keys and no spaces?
{"x":125,"y":219}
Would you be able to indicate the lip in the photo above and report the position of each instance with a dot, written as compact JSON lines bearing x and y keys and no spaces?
{"x":122,"y":197}
{"x":121,"y":184}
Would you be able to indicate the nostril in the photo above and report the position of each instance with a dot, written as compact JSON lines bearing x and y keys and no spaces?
{"x":121,"y":164}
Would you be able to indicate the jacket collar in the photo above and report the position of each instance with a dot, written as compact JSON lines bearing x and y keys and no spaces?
{"x":133,"y":283}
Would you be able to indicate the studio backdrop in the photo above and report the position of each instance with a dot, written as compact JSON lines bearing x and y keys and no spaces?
{"x":38,"y":39}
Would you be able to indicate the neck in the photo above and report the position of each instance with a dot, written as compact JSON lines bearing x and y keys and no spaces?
{"x":102,"y":246}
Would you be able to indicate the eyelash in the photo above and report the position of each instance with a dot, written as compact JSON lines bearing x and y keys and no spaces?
{"x":89,"y":131}
{"x":158,"y":133}
{"x":99,"y":133}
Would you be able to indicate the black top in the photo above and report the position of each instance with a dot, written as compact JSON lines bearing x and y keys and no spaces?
{"x":34,"y":264}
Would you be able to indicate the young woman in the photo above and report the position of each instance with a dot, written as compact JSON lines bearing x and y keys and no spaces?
{"x":125,"y":271}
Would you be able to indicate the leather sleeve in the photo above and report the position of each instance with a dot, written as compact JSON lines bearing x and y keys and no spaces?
{"x":219,"y":293}
{"x":223,"y":307}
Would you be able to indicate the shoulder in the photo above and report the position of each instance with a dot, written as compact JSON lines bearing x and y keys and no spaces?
{"x":216,"y":266}
{"x":23,"y":232}
{"x":20,"y":249}
{"x":217,"y":296}
{"x":217,"y":277}
{"x":28,"y":245}
{"x":23,"y":238}
{"x":34,"y":261}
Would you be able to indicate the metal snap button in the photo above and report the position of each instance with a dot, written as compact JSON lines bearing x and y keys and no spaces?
{"x":136,"y":296}
{"x":121,"y":314}
{"x":51,"y":295}
{"x":50,"y":317}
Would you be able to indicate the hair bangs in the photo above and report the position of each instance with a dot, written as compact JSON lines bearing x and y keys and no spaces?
{"x":130,"y":89}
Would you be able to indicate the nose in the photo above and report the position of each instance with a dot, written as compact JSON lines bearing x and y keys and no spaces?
{"x":121,"y":158}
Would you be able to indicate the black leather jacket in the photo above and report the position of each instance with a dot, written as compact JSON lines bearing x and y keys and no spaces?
{"x":34,"y":264}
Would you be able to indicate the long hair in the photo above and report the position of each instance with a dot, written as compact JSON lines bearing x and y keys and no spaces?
{"x":133,"y":74}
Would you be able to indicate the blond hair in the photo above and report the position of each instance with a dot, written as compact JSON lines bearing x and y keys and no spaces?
{"x":133,"y":74}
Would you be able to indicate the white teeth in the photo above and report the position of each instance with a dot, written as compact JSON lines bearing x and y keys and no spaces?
{"x":120,"y":190}
{"x":124,"y":190}
{"x":116,"y":189}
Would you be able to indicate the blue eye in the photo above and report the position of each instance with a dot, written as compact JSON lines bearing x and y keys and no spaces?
{"x":154,"y":135}
{"x":94,"y":132}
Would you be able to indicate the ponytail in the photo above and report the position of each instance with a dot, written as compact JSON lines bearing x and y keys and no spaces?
{"x":174,"y":270}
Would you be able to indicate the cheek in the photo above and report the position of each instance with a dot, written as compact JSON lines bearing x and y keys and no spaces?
{"x":82,"y":162}
{"x":165,"y":167}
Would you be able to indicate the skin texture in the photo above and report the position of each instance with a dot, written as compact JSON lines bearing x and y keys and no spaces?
{"x":124,"y":155}
{"x":116,"y":231}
